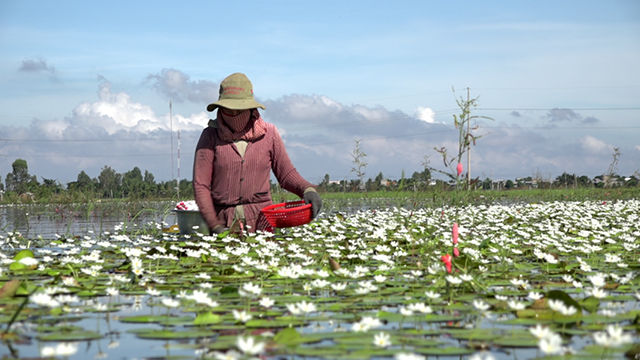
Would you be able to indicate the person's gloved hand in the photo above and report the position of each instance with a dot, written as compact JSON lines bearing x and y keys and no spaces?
{"x":312,"y":197}
{"x":219,"y":229}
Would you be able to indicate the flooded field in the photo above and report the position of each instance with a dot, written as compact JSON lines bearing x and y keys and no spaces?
{"x":370,"y":282}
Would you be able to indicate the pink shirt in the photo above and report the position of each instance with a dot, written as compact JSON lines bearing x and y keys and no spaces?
{"x":222,"y":178}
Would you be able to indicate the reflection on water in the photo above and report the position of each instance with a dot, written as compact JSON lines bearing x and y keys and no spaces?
{"x":49,"y":220}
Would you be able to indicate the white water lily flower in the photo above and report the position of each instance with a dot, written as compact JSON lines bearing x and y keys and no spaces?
{"x":535,"y":295}
{"x":293,"y":309}
{"x":382,"y":340}
{"x":432,"y":295}
{"x":482,"y":356}
{"x":568,"y":310}
{"x":306,"y":307}
{"x":168,"y":302}
{"x":111,"y":291}
{"x":420,"y":307}
{"x":541,"y":332}
{"x":551,"y":345}
{"x":598,"y":280}
{"x":62,"y":349}
{"x":597,"y":293}
{"x":555,"y":305}
{"x":229,"y":355}
{"x":266,"y":302}
{"x":453,"y":280}
{"x":241,"y":316}
{"x":249,"y":290}
{"x":153,"y":292}
{"x":249,"y":346}
{"x":44,"y":299}
{"x":405,"y":311}
{"x":339,"y":287}
{"x":28,"y":261}
{"x":481,"y":305}
{"x":515,"y":305}
{"x":201,"y":297}
{"x":408,"y":356}
{"x":380,"y":278}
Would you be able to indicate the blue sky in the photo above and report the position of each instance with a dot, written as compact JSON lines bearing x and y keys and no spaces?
{"x":85,"y":84}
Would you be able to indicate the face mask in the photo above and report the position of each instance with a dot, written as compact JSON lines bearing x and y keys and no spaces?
{"x":236,"y":123}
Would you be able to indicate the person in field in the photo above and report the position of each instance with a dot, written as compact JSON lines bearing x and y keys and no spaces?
{"x":234,"y":159}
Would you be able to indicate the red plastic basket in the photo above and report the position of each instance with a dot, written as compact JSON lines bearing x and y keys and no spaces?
{"x":288,"y":214}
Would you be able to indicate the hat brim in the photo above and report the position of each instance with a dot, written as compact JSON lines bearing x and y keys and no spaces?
{"x":235,"y":104}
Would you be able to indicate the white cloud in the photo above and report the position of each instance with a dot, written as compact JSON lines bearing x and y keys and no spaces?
{"x":425,"y":114}
{"x":319,"y":133}
{"x":178,"y":86}
{"x":117,"y":111}
{"x":594,"y":146}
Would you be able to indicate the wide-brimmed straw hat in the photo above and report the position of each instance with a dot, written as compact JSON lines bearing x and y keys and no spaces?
{"x":236,"y":93}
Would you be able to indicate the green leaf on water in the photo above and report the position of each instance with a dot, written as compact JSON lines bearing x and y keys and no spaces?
{"x":517,"y":341}
{"x":471,"y":335}
{"x":168,"y":334}
{"x":207,"y":318}
{"x":71,"y":336}
{"x":446,"y":351}
{"x":590,"y":304}
{"x":287,"y":336}
{"x":284,"y":321}
{"x":23,"y":254}
{"x":152,"y":319}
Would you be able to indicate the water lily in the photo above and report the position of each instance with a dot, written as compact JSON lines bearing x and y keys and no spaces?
{"x":241,"y":316}
{"x":266,"y":302}
{"x":382,"y":340}
{"x":62,"y":349}
{"x":551,"y":345}
{"x":249,"y":346}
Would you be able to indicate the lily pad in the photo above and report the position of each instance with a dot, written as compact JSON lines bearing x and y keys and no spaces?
{"x":169,"y":335}
{"x":71,"y":336}
{"x":445,"y":351}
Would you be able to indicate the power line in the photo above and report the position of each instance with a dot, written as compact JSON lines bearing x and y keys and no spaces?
{"x":547,"y":109}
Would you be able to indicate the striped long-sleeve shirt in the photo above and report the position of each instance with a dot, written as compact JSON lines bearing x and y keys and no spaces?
{"x":223,"y":178}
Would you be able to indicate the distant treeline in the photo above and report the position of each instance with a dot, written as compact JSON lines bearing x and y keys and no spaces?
{"x":422,"y":181}
{"x":21,"y":187}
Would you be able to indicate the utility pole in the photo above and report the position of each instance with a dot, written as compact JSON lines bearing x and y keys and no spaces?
{"x":468,"y":145}
{"x":171,"y":130}
{"x":178,"y":187}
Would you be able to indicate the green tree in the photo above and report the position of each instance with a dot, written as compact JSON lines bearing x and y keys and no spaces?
{"x":509,"y":185}
{"x":109,"y":182}
{"x":83,"y":183}
{"x":48,"y":187}
{"x":19,"y":181}
{"x":566,"y":180}
{"x":324,"y":184}
{"x":132,"y":183}
{"x":584,"y":181}
{"x":150,"y":186}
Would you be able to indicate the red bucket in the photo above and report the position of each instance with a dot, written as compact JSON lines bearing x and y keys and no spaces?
{"x":289,"y":214}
